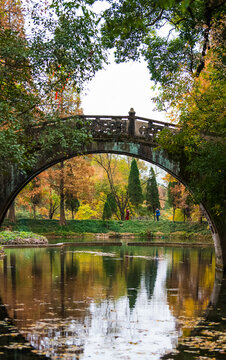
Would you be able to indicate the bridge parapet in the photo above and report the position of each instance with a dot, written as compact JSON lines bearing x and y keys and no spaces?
{"x":125,"y":126}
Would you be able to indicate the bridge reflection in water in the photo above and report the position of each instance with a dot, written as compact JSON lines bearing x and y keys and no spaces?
{"x":110,"y":302}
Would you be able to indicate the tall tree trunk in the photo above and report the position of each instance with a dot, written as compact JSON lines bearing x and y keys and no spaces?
{"x":200,"y":215}
{"x":34,"y":211}
{"x":12,"y":213}
{"x":62,"y":211}
{"x":50,"y":209}
{"x":174,"y":213}
{"x":122,"y":214}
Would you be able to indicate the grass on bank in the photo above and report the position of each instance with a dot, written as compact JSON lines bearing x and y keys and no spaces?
{"x":139,"y":227}
{"x":6,"y":236}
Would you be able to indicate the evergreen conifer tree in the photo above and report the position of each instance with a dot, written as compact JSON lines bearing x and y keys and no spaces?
{"x":152,"y":193}
{"x":134,"y":186}
{"x":107,"y":213}
{"x":72,"y":203}
{"x":112,"y":202}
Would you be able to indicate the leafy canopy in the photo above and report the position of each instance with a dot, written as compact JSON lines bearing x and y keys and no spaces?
{"x":61,"y":42}
{"x":200,"y":144}
{"x":173,"y":36}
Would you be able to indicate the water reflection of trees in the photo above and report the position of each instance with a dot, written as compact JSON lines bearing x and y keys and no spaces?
{"x":52,"y":294}
{"x":190,"y":282}
{"x":12,"y":344}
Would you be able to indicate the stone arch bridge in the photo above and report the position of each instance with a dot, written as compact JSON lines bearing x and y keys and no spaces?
{"x":127,"y":135}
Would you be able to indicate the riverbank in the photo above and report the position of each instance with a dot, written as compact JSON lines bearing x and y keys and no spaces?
{"x":9,"y":237}
{"x":101,"y":230}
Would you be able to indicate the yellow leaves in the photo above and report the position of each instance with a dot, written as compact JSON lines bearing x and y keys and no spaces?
{"x":169,"y":178}
{"x":205,"y":358}
{"x":43,"y":211}
{"x":18,"y":346}
{"x":85,"y":212}
{"x":217,"y":209}
{"x":99,"y":206}
{"x":214,"y":341}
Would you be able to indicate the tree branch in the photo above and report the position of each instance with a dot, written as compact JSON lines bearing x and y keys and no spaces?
{"x":156,"y":19}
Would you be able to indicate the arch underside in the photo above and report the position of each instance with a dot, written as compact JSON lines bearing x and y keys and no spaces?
{"x":151,"y":154}
{"x":148,"y":152}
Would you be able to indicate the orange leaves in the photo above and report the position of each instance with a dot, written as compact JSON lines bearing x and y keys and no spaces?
{"x":78,"y":178}
{"x":11,"y":16}
{"x":42,"y":193}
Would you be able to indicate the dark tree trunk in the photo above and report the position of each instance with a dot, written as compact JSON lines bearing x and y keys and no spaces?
{"x":174,"y":213}
{"x":34,"y":211}
{"x":50,"y":209}
{"x":62,"y":211}
{"x":200,"y":215}
{"x":12,"y":213}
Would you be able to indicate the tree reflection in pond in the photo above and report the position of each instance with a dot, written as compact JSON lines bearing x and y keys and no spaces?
{"x":123,"y":303}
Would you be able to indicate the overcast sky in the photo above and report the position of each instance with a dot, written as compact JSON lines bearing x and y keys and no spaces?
{"x":119,"y":87}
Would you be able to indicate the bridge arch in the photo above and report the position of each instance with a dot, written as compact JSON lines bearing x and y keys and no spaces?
{"x":119,"y":135}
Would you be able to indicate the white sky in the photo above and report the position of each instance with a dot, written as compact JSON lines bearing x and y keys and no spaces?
{"x":119,"y":87}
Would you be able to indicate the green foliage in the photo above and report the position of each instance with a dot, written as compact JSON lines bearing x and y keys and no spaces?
{"x":60,"y":138}
{"x":134,"y":186}
{"x":152,"y":193}
{"x":6,"y":236}
{"x":17,"y":101}
{"x":72,"y":203}
{"x":173,"y":36}
{"x":166,"y":227}
{"x":64,"y":43}
{"x":68,"y":38}
{"x":112,"y":202}
{"x":170,"y":197}
{"x":200,"y":144}
{"x":107,"y":212}
{"x":210,"y":168}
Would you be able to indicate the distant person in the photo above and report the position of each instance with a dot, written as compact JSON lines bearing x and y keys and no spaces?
{"x":157,"y":213}
{"x":127,"y":214}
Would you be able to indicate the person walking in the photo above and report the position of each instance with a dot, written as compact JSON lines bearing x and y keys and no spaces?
{"x":157,"y":213}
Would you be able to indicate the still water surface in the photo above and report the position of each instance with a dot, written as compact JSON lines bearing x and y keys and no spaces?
{"x":106,"y":302}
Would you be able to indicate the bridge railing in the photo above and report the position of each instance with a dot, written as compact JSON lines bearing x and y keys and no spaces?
{"x":130,"y":125}
{"x":149,"y":129}
{"x":122,"y":126}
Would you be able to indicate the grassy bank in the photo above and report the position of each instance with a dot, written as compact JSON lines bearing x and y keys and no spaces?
{"x":21,"y":237}
{"x":146,"y":228}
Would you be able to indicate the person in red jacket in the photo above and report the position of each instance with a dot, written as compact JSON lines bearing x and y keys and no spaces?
{"x":127,"y":214}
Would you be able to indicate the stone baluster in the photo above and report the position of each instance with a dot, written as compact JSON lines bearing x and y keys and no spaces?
{"x":132,"y":119}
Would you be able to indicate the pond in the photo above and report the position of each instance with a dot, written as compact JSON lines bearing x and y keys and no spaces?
{"x":102,"y":302}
